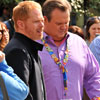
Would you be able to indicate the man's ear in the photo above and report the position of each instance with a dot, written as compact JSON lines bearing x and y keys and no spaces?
{"x":45,"y":19}
{"x":20,"y":24}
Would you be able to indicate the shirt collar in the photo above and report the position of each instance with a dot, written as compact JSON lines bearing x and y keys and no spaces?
{"x":28,"y":42}
{"x":45,"y":36}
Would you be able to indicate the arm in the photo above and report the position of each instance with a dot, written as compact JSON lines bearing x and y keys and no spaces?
{"x":92,"y":77}
{"x":17,"y":90}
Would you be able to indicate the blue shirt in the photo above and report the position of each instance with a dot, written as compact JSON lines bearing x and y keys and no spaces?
{"x":16,"y":88}
{"x":95,"y":48}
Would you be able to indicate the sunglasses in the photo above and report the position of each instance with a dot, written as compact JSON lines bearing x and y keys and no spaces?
{"x":94,"y":18}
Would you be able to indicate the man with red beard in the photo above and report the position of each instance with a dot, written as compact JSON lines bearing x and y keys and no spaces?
{"x":22,"y":50}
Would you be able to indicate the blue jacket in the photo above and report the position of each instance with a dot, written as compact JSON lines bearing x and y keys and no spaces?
{"x":16,"y":88}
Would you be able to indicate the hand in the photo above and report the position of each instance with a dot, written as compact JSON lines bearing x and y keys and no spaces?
{"x":2,"y":56}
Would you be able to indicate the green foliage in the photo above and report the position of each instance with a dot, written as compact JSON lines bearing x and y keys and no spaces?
{"x":7,"y":2}
{"x":83,"y":6}
{"x":95,"y":4}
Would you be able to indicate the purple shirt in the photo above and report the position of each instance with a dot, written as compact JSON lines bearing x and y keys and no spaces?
{"x":83,"y":70}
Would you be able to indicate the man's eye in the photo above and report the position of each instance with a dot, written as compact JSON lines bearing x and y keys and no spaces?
{"x":58,"y":23}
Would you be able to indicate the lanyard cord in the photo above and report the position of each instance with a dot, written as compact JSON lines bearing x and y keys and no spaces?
{"x":57,"y":61}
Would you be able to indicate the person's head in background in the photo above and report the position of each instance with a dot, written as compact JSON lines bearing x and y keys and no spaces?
{"x":5,"y":14}
{"x":4,"y":36}
{"x":56,"y":18}
{"x":28,"y":19}
{"x":76,"y":30}
{"x":92,"y":28}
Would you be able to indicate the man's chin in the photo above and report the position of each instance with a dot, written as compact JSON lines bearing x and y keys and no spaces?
{"x":39,"y":38}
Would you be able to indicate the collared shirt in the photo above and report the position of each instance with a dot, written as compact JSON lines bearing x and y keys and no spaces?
{"x":95,"y":48}
{"x":83,"y":70}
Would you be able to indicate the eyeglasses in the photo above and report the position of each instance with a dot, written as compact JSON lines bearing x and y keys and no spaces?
{"x":2,"y":31}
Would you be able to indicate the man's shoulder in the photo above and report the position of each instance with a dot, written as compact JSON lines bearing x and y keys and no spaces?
{"x":76,"y":40}
{"x":75,"y":37}
{"x":14,"y":44}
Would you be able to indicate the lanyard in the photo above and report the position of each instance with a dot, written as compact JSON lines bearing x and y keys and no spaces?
{"x":57,"y":61}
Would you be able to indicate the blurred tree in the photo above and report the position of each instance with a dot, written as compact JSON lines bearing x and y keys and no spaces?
{"x":84,"y":7}
{"x":9,"y":4}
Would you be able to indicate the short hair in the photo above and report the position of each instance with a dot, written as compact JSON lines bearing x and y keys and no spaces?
{"x":22,"y":10}
{"x":89,"y":23}
{"x":76,"y":30}
{"x":50,"y":5}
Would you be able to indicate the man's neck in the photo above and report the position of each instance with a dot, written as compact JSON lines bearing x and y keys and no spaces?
{"x":59,"y":42}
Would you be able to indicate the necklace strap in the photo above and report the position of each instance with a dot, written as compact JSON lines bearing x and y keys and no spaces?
{"x":57,"y":61}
